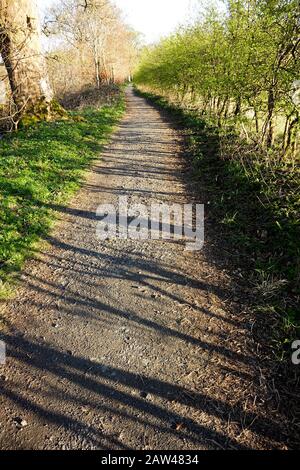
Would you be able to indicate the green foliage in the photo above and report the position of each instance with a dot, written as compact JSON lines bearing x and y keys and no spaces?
{"x":40,"y":167}
{"x":238,"y":68}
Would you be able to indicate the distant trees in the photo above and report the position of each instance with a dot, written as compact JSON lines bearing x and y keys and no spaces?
{"x":94,"y":44}
{"x":240,"y":67}
{"x":20,"y":48}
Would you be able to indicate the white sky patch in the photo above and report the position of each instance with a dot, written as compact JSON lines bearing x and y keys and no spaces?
{"x":153,"y":18}
{"x":156,"y":18}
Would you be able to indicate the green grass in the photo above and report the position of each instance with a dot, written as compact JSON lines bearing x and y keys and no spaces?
{"x":255,"y":203}
{"x":41,"y":166}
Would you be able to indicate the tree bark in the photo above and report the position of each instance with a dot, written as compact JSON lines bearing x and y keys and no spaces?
{"x":238,"y":107}
{"x":291,"y":129}
{"x":270,"y":122}
{"x":20,"y":48}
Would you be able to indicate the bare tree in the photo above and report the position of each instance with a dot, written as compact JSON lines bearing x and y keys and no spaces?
{"x":100,"y":45}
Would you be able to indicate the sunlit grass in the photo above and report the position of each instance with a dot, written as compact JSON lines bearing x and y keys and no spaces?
{"x":44,"y":165}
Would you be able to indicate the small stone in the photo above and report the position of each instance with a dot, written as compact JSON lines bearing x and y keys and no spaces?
{"x":20,"y":422}
{"x":143,"y":394}
{"x":4,"y":378}
{"x":179,"y":426}
{"x":55,"y":325}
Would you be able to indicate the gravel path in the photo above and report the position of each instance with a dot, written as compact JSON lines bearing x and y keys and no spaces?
{"x":123,"y":344}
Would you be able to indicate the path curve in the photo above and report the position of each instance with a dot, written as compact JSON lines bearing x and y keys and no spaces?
{"x":123,"y":344}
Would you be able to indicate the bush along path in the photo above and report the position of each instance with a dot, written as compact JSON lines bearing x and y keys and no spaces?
{"x":126,"y":344}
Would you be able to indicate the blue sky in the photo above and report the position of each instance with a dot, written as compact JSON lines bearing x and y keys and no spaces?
{"x":153,"y":18}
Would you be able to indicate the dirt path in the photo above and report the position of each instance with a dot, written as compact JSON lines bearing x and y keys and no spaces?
{"x":129,"y":345}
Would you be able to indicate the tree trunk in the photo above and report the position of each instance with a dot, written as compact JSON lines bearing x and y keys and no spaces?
{"x":256,"y":120}
{"x":270,"y":122}
{"x":97,"y":72}
{"x":20,"y":48}
{"x":238,"y":107}
{"x":291,"y":138}
{"x":221,"y":111}
{"x":285,"y":133}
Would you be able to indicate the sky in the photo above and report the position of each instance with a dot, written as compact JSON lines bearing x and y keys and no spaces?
{"x":153,"y":18}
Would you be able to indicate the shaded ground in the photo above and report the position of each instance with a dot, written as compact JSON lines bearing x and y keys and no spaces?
{"x":131,"y":345}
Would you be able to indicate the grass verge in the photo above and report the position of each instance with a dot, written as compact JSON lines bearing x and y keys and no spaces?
{"x":41,"y":166}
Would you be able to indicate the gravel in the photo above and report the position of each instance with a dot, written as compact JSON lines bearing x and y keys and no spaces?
{"x":173,"y":364}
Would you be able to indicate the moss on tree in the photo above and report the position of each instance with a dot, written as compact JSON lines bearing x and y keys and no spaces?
{"x":43,"y":111}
